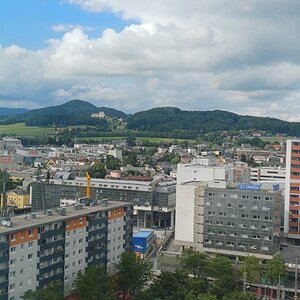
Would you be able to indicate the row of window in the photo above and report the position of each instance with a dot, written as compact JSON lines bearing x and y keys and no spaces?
{"x":232,"y":244}
{"x":240,"y":206}
{"x":244,"y":236}
{"x":236,"y":196}
{"x":242,"y":216}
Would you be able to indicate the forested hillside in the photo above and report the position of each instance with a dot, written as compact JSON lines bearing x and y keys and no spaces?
{"x":173,"y":120}
{"x":75,"y":112}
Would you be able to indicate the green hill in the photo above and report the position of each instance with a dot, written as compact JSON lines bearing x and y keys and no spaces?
{"x":74,"y":112}
{"x":173,"y":120}
{"x":8,"y":111}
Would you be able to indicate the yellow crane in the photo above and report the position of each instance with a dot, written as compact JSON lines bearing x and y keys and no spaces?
{"x":88,"y":185}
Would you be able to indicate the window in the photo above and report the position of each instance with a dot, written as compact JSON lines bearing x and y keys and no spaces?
{"x":13,"y":250}
{"x":12,"y":287}
{"x":12,"y":274}
{"x":67,"y":255}
{"x":80,"y":241}
{"x":30,"y":232}
{"x":80,"y":251}
{"x":30,"y":256}
{"x":12,"y":262}
{"x":13,"y":237}
{"x":30,"y":244}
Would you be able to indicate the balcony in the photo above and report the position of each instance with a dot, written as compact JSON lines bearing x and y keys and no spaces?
{"x":294,"y":147}
{"x":295,"y":154}
{"x":294,"y":207}
{"x":294,"y":216}
{"x":295,"y":162}
{"x":295,"y":177}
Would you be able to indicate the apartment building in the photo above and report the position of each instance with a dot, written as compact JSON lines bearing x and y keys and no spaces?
{"x":153,"y":199}
{"x":41,"y":248}
{"x":231,"y":221}
{"x":292,"y":191}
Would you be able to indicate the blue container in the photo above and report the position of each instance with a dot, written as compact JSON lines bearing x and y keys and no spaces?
{"x":142,"y":241}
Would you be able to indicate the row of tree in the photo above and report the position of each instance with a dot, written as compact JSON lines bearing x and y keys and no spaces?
{"x":199,"y":277}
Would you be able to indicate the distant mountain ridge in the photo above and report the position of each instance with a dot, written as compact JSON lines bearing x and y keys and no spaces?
{"x":74,"y":112}
{"x":160,"y":121}
{"x":172,"y":119}
{"x":4,"y":111}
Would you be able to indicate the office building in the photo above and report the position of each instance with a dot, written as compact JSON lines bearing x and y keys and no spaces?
{"x":38,"y":249}
{"x":214,"y":218}
{"x":153,"y":198}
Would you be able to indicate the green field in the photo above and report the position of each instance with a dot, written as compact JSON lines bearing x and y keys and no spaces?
{"x":21,"y":130}
{"x":156,"y":140}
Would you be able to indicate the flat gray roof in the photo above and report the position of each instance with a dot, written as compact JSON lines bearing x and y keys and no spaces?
{"x":26,"y":221}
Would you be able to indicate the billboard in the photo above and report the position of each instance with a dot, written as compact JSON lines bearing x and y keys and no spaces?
{"x":249,"y":187}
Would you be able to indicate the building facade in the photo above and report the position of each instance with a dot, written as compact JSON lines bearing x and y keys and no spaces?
{"x":228,"y":221}
{"x":292,"y":191}
{"x":267,"y":174}
{"x":38,"y":249}
{"x":153,"y":200}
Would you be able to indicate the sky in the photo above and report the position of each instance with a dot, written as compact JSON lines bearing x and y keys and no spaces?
{"x":236,"y":55}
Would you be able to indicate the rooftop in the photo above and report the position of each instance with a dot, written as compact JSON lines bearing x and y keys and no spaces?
{"x":143,"y":233}
{"x":27,"y":220}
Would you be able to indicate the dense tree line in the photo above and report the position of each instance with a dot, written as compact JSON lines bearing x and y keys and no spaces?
{"x":174,"y":120}
{"x":199,"y":277}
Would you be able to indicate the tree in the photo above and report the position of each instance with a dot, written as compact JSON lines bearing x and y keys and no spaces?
{"x":240,"y":296}
{"x":112,"y":163}
{"x":133,"y":273}
{"x":54,"y":291}
{"x":220,"y":266}
{"x":131,"y":141}
{"x":251,"y":269}
{"x":194,"y":262}
{"x":222,"y":286}
{"x":92,"y":284}
{"x":167,"y":285}
{"x":97,"y":170}
{"x":4,"y":176}
{"x":276,"y":270}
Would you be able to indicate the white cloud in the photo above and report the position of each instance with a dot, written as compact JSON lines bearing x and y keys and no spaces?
{"x":233,"y":55}
{"x":69,"y":27}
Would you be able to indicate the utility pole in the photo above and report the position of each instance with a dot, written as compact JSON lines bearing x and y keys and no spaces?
{"x":245,"y":279}
{"x":296,"y":280}
{"x":278,"y":289}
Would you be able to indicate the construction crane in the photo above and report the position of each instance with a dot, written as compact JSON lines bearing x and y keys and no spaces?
{"x":88,"y":185}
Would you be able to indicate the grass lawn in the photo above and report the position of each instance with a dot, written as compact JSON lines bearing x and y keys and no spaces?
{"x":150,"y":139}
{"x":21,"y":130}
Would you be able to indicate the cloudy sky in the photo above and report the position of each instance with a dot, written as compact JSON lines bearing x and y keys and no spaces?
{"x":236,"y":55}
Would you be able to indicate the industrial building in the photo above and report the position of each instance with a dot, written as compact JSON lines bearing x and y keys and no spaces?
{"x":153,"y":198}
{"x":241,"y":221}
{"x":38,"y":249}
